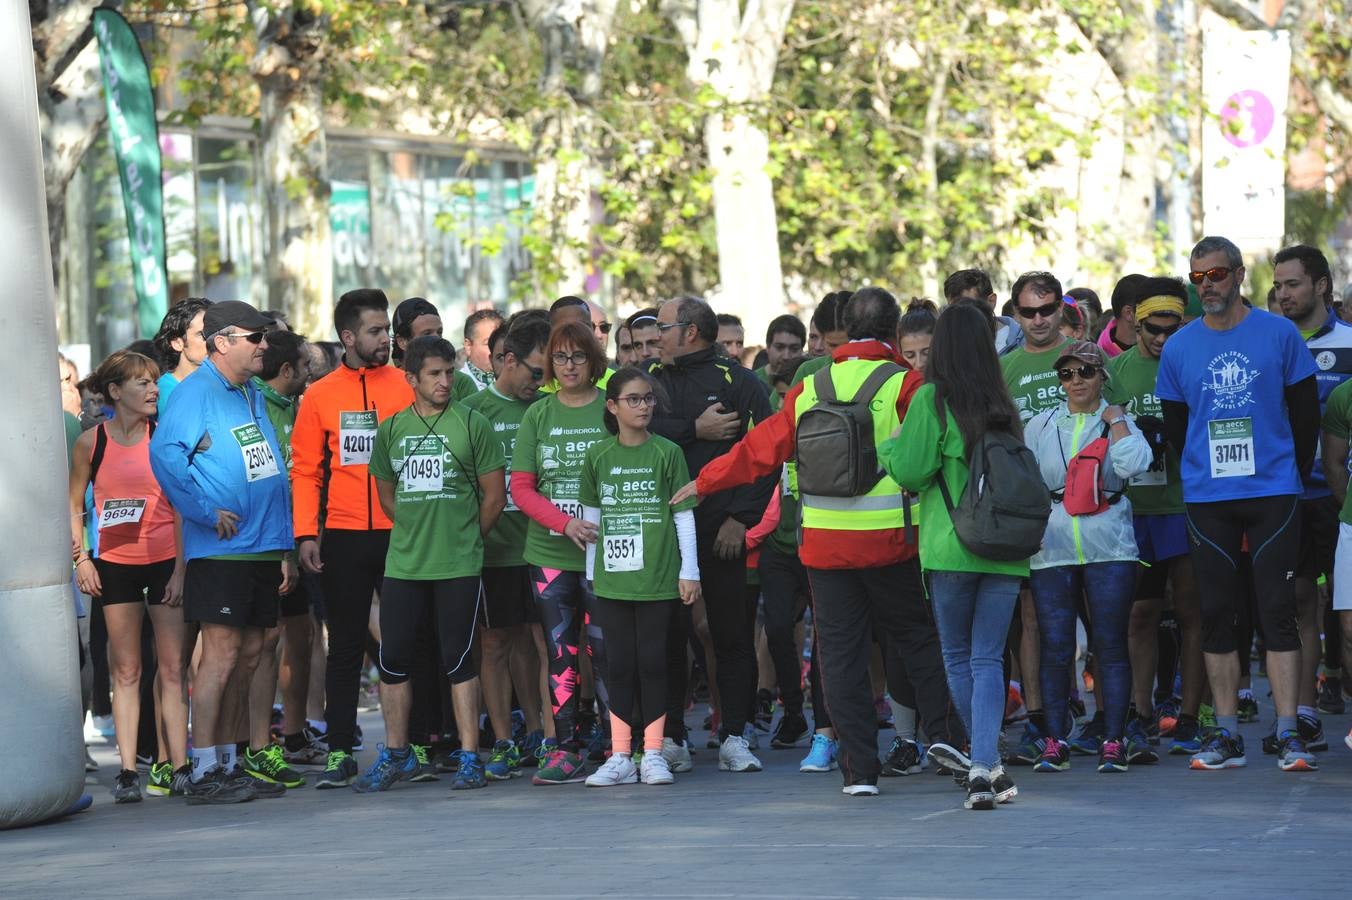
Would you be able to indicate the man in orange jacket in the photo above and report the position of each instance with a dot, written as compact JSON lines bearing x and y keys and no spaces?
{"x":330,"y":448}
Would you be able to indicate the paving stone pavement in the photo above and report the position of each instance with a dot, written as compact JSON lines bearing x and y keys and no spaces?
{"x":1161,"y":830}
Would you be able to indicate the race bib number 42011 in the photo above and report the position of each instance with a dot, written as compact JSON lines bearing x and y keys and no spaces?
{"x":1230,"y":444}
{"x":622,"y":544}
{"x":259,"y":460}
{"x":356,"y":437}
{"x":121,"y":512}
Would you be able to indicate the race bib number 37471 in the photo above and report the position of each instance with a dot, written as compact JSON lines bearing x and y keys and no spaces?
{"x":1230,"y":445}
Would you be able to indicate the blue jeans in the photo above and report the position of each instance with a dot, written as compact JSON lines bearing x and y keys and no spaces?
{"x":1108,"y":589}
{"x":973,"y":611}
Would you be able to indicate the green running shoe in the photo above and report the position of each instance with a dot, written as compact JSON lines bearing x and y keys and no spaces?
{"x":269,"y":765}
{"x":424,"y":771}
{"x":161,"y":781}
{"x":504,"y":762}
{"x":339,"y":772}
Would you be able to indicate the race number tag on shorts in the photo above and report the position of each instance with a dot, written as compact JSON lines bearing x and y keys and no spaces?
{"x":1231,"y":447}
{"x":422,"y":473}
{"x":570,"y":508}
{"x":121,"y":512}
{"x":356,"y":437}
{"x":259,"y":461}
{"x":622,"y":545}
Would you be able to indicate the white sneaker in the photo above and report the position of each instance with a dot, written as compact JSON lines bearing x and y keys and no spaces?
{"x":860,"y":790}
{"x":749,"y":735}
{"x":677,"y":755}
{"x":654,"y":769}
{"x":735,"y":756}
{"x":619,"y":769}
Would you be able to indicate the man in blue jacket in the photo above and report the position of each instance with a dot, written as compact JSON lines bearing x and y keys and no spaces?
{"x":216,"y":456}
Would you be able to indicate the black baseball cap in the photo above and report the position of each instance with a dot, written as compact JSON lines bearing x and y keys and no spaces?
{"x":408,"y":311}
{"x":231,"y":313}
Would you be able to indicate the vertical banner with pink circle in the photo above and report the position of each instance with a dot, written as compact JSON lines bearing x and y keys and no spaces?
{"x":1246,"y":76}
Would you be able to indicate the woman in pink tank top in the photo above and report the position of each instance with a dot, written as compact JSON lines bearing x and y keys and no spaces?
{"x":134,"y":567}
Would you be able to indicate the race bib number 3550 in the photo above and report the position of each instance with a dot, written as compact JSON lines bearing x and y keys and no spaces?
{"x":1230,"y":444}
{"x":259,"y":461}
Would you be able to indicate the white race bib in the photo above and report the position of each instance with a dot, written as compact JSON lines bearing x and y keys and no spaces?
{"x":570,"y":508}
{"x":1230,"y":444}
{"x":356,"y":437}
{"x":1151,"y":478}
{"x":121,"y":512}
{"x":422,"y":473}
{"x":622,"y":546}
{"x":511,"y":504}
{"x":259,"y":460}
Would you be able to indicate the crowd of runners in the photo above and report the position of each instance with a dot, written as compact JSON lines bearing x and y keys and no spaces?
{"x":1012,"y":533}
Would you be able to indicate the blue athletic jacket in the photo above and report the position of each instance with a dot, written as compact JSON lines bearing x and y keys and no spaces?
{"x":215,"y":448}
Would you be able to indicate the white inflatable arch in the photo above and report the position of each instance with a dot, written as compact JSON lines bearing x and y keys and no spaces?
{"x":38,"y":651}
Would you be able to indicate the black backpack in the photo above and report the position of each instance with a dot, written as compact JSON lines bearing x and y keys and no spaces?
{"x":834,"y":442}
{"x":1003,"y":511}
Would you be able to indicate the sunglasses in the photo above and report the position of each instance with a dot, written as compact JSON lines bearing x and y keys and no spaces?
{"x":1086,"y":373}
{"x":637,"y":400}
{"x":1157,"y":330}
{"x":1047,"y":310}
{"x":664,"y":327}
{"x":603,"y":327}
{"x":577,"y":358}
{"x":253,"y":337}
{"x":1214,"y":275}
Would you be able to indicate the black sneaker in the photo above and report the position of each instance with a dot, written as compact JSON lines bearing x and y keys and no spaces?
{"x":1003,"y":785}
{"x":903,"y":758}
{"x":1248,"y":710}
{"x":339,"y":772}
{"x":948,"y":757}
{"x":263,"y":790}
{"x":765,"y":709}
{"x":1312,"y":732}
{"x":215,"y":787}
{"x":1330,"y":700}
{"x":792,"y":727}
{"x":980,"y":793}
{"x":127,"y":787}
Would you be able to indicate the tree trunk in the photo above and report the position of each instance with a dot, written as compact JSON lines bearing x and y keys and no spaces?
{"x":295,"y":168}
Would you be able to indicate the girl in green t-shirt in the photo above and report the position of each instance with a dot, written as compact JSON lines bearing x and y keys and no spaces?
{"x":642,"y":557}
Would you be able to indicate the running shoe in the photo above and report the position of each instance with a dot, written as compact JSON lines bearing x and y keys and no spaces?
{"x":1248,"y":708}
{"x":1005,"y":791}
{"x":269,"y":765}
{"x":425,"y":770}
{"x":1312,"y":733}
{"x":1221,"y":750}
{"x":980,"y":793}
{"x":215,"y":787}
{"x":821,"y":756}
{"x":444,"y":758}
{"x":765,"y":709}
{"x":736,"y":756}
{"x":1270,"y":743}
{"x":619,"y":769}
{"x":90,"y":764}
{"x":946,"y":756}
{"x":903,"y":758}
{"x":161,"y":779}
{"x":653,"y":769}
{"x":860,"y":789}
{"x":127,"y":787}
{"x":1166,"y":716}
{"x":178,"y":785}
{"x":1330,"y":701}
{"x":518,"y":727}
{"x":560,"y":766}
{"x":530,"y":746}
{"x":1055,"y":756}
{"x":750,"y":736}
{"x":1031,"y":745}
{"x":596,"y":742}
{"x":1113,"y":757}
{"x":311,"y":751}
{"x":504,"y":762}
{"x":470,"y":773}
{"x":339,"y":772}
{"x":390,"y":766}
{"x":1075,"y":708}
{"x":1187,"y":738}
{"x":677,"y":755}
{"x":792,"y":727}
{"x":1206,"y":718}
{"x":1090,"y":738}
{"x":1139,"y":751}
{"x":1015,"y":711}
{"x":357,"y":741}
{"x":104,"y":726}
{"x":1295,"y":755}
{"x":883,"y":710}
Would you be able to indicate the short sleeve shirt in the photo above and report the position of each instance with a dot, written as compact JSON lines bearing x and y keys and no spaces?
{"x":1032,"y":380}
{"x":505,"y":545}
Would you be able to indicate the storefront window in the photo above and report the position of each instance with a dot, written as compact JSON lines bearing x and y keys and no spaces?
{"x":397,"y":224}
{"x":229,"y":234}
{"x":350,"y":219}
{"x":448,"y":217}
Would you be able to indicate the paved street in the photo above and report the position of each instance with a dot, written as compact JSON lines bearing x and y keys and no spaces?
{"x":1244,"y":833}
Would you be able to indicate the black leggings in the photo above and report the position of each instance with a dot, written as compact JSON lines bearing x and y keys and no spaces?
{"x":1216,"y":531}
{"x":635,"y":633}
{"x":403,"y":605}
{"x":354,"y":563}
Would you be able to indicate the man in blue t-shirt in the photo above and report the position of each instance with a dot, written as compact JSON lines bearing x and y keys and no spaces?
{"x":1240,"y":404}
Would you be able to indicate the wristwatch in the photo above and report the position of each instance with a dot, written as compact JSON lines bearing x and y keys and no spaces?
{"x":1114,"y":421}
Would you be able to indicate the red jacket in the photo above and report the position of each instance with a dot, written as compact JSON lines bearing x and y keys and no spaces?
{"x":770,"y":444}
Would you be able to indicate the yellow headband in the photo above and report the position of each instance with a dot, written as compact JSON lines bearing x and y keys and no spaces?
{"x":1160,"y":303}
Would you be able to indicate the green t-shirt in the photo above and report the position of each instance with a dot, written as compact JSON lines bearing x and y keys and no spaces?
{"x":1131,"y":385}
{"x":435,"y":465}
{"x":551,"y":444}
{"x":72,"y":435}
{"x":1032,"y":380}
{"x":282,"y":414}
{"x":1338,"y":420}
{"x":462,"y":387}
{"x":637,"y":557}
{"x":505,"y":545}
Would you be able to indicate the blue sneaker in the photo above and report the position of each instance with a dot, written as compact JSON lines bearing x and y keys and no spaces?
{"x":1187,"y":738}
{"x":518,"y":727}
{"x":470,"y":774}
{"x":1031,"y":745}
{"x":530,"y":747}
{"x":1090,"y":739}
{"x":390,"y":766}
{"x":821,"y":757}
{"x":1137,"y":741}
{"x":504,"y":762}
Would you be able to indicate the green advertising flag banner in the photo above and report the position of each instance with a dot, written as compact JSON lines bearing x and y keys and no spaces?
{"x":135,"y":137}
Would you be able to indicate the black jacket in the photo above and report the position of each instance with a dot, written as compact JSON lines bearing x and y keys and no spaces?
{"x":688,"y":387}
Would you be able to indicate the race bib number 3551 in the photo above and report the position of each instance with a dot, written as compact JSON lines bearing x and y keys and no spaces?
{"x":1230,"y":445}
{"x":622,"y":545}
{"x":259,"y":460}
